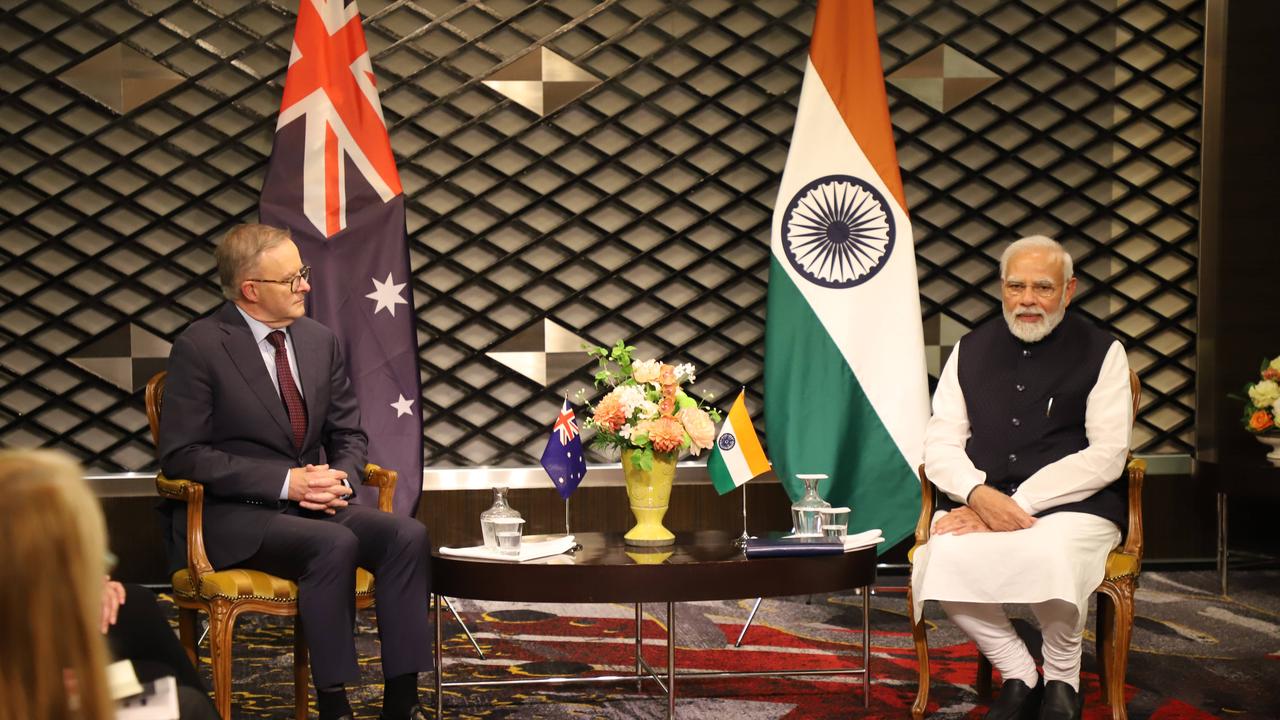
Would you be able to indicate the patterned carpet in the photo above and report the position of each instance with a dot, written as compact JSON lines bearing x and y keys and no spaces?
{"x":1194,"y":655}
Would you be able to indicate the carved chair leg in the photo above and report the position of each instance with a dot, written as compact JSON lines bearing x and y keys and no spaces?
{"x":984,"y":678}
{"x":918,"y":634}
{"x":1122,"y":629}
{"x":222,"y":620}
{"x":300,"y":671}
{"x":1104,"y":638}
{"x":187,"y":618}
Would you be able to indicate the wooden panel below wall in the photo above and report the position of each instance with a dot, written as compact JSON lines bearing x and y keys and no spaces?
{"x":134,"y":535}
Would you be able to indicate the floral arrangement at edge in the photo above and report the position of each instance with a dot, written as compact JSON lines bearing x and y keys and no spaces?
{"x":1262,"y":401}
{"x":646,"y":410}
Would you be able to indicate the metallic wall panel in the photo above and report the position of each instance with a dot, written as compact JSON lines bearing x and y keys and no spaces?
{"x":639,"y":208}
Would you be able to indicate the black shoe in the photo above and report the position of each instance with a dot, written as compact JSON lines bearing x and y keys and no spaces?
{"x":1016,"y":701}
{"x":1061,"y":702}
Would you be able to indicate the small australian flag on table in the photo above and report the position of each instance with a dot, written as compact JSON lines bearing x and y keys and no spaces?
{"x":563,"y":459}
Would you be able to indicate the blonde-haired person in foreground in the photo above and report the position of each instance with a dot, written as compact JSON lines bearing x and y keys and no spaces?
{"x":54,"y":558}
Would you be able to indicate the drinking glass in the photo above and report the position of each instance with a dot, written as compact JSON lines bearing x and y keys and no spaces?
{"x":835,"y":522}
{"x":507,"y":532}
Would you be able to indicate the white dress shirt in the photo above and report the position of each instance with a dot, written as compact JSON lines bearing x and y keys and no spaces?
{"x":260,"y":332}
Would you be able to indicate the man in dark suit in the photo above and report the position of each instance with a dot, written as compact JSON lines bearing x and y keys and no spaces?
{"x":258,"y":408}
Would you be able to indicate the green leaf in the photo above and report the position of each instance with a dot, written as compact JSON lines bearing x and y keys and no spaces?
{"x":684,"y":401}
{"x":643,"y":459}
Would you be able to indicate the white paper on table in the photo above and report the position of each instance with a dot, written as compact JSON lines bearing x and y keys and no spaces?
{"x":865,"y":539}
{"x":528,"y":550}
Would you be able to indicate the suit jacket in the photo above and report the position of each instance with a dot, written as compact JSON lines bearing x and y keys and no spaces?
{"x":224,"y":425}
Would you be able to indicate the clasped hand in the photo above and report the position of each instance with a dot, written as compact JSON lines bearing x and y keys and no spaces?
{"x":318,"y":488}
{"x":989,"y":510}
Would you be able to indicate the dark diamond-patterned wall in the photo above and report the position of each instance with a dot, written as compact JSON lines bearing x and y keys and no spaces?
{"x":136,"y":132}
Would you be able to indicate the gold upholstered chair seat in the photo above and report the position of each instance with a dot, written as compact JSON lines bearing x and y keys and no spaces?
{"x":1122,"y":565}
{"x":241,"y":584}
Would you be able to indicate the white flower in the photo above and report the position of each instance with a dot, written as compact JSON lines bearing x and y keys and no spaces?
{"x":626,"y":431}
{"x":1275,"y":409}
{"x":1264,"y":393}
{"x":629,"y":396}
{"x":684,"y":373}
{"x":646,"y":410}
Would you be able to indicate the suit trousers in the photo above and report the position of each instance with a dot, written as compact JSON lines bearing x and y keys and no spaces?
{"x":321,"y":552}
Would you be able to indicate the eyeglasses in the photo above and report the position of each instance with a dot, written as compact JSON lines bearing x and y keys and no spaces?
{"x":1041,"y":289}
{"x":303,"y":275}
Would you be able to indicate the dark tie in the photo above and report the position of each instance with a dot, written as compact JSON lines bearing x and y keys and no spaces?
{"x":289,"y":389}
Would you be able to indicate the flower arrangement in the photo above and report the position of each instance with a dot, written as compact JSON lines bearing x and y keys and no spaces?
{"x":645,"y":410}
{"x":1262,"y":401}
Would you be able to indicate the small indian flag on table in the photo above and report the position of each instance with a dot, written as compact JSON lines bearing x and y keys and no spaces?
{"x":737,"y":456}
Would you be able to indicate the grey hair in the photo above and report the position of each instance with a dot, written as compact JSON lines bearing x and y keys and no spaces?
{"x":239,"y":251}
{"x":1036,"y":242}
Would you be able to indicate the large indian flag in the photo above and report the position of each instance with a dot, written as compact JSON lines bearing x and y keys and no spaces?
{"x":846,"y":390}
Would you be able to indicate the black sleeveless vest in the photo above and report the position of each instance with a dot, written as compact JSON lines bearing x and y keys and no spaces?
{"x":1026,"y":404}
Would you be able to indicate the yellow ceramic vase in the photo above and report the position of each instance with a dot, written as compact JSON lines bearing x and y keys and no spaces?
{"x":649,"y":493}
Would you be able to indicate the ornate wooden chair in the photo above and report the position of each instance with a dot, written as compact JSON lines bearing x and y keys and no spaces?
{"x":1115,"y":594}
{"x":226,"y":594}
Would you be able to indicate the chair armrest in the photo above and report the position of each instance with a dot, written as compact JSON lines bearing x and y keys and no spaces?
{"x":926,"y":512}
{"x":1137,"y":472}
{"x":383,"y":479}
{"x":191,"y":493}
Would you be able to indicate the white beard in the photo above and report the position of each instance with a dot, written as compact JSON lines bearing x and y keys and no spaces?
{"x":1037,"y":331}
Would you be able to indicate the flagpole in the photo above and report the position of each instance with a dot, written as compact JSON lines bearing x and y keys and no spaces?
{"x":744,"y":537}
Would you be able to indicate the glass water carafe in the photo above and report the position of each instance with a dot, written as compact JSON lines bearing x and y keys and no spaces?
{"x":805,"y":518}
{"x":499,"y":509}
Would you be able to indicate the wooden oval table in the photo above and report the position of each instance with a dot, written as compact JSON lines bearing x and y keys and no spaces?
{"x":699,"y":566}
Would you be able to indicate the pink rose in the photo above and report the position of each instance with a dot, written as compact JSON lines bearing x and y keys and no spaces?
{"x":702,"y":431}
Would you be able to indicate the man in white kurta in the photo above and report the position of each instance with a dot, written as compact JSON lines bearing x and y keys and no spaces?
{"x":1029,"y":435}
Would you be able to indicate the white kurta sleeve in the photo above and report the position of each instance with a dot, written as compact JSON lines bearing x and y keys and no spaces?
{"x":945,"y":460}
{"x":1107,"y":424}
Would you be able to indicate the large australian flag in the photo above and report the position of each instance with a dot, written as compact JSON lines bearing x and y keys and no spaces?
{"x":332,"y":181}
{"x":562,"y":458}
